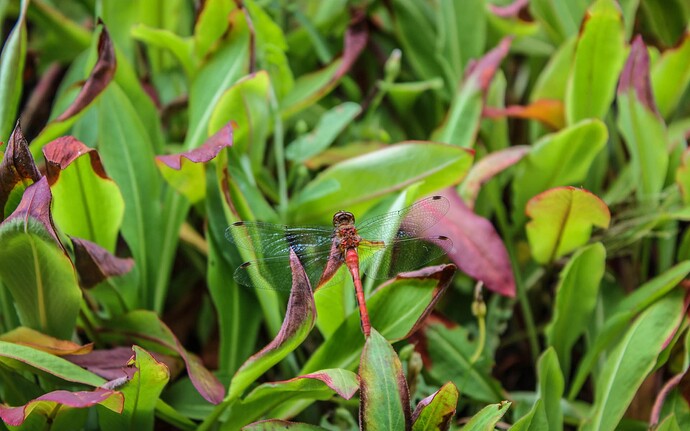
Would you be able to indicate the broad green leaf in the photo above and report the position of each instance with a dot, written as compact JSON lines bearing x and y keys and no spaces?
{"x":599,"y":57}
{"x":549,"y":84}
{"x":462,"y":120}
{"x":299,"y":320}
{"x":562,"y":220}
{"x":213,"y":20}
{"x":450,"y":352}
{"x":32,"y":338}
{"x":670,"y":75}
{"x":162,"y":38}
{"x":330,"y":125}
{"x":576,"y":298}
{"x":49,"y":405}
{"x":551,"y":385}
{"x":535,"y":420}
{"x":384,"y":398}
{"x":12,"y":61}
{"x":35,"y":268}
{"x":87,"y":203}
{"x":141,"y":394}
{"x":561,"y":20}
{"x":668,"y":424}
{"x":48,"y":363}
{"x":436,"y":411}
{"x":558,"y":159}
{"x":641,"y":126}
{"x":414,"y":28}
{"x":310,"y":88}
{"x":353,"y":183}
{"x":487,"y":417}
{"x":321,"y":385}
{"x":666,"y":19}
{"x":633,"y":359}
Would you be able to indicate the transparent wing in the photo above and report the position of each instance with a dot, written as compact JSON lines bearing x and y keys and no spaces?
{"x":408,"y":222}
{"x":273,"y":240}
{"x":381,"y":261}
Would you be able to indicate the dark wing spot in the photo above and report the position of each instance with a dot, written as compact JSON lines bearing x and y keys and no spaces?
{"x":436,"y":197}
{"x":245,"y":264}
{"x":238,"y":223}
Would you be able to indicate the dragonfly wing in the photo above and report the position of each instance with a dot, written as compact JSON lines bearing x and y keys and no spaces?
{"x":401,"y":255}
{"x":271,"y":240}
{"x":405,"y":223}
{"x":275,"y":273}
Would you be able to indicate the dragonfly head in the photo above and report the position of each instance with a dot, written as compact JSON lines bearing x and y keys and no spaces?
{"x":343,"y":217}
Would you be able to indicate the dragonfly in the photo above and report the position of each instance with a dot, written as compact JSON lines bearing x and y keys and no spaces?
{"x":380,"y":247}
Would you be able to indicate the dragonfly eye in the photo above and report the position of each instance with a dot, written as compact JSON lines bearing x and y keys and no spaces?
{"x":343,"y":217}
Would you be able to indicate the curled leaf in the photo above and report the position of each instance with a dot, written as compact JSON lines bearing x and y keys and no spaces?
{"x":436,"y":411}
{"x":40,"y":341}
{"x":95,"y":264}
{"x":17,"y":171}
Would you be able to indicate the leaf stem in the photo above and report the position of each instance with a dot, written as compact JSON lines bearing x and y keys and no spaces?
{"x":479,"y":311}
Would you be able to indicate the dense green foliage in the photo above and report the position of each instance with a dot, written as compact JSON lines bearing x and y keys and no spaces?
{"x":137,"y":132}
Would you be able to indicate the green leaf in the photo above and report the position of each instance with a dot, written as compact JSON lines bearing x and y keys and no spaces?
{"x":320,"y":385}
{"x":551,"y":385}
{"x":487,"y":417}
{"x":670,"y":75}
{"x":48,"y":363}
{"x":309,"y":88}
{"x":280,"y":425}
{"x":162,"y":38}
{"x":12,"y":61}
{"x":414,"y":28}
{"x":87,"y":203}
{"x":353,"y":184}
{"x":641,"y":126}
{"x":561,"y":20}
{"x":436,"y":411}
{"x":535,"y":420}
{"x":35,"y":268}
{"x":141,"y":395}
{"x":599,"y":57}
{"x":576,"y":298}
{"x":560,"y":159}
{"x":384,"y":398}
{"x":562,"y":220}
{"x":330,"y":125}
{"x":668,"y":424}
{"x":299,"y":320}
{"x":212,"y":21}
{"x":633,"y":359}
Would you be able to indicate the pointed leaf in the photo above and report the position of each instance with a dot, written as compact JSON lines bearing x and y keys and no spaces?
{"x":141,"y":395}
{"x":12,"y":61}
{"x":633,"y":359}
{"x":487,"y":418}
{"x":87,"y":203}
{"x":436,"y":411}
{"x":670,"y":75}
{"x":599,"y":57}
{"x":549,"y":112}
{"x":551,"y":384}
{"x":212,"y":22}
{"x":94,"y":264}
{"x":111,"y":364}
{"x":641,"y":125}
{"x":535,"y":420}
{"x":477,"y":249}
{"x":299,"y":320}
{"x":35,"y":268}
{"x":354,"y":183}
{"x":576,"y":298}
{"x":488,"y":167}
{"x":17,"y":171}
{"x":384,"y":398}
{"x":48,"y":403}
{"x":37,"y":340}
{"x":562,"y":220}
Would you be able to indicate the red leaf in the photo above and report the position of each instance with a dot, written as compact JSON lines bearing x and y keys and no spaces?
{"x":95,"y":264}
{"x":206,"y":152}
{"x":101,"y":75}
{"x":508,"y":11}
{"x":17,"y":166}
{"x":635,"y":75}
{"x":485,"y":169}
{"x":549,"y":112}
{"x":61,"y":152}
{"x":356,"y":37}
{"x":477,"y":248}
{"x":485,"y":68}
{"x":15,"y":416}
{"x":112,"y":364}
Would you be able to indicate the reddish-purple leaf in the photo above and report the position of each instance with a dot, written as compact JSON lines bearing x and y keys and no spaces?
{"x":356,"y":37}
{"x":206,"y":152}
{"x":17,"y":166}
{"x":95,"y":264}
{"x":671,"y":384}
{"x":485,"y":68}
{"x":113,"y":364}
{"x":508,"y":11}
{"x":299,"y":320}
{"x":113,"y":400}
{"x":35,"y":205}
{"x":61,"y":152}
{"x":485,"y":169}
{"x":635,"y":75}
{"x":477,"y":248}
{"x":550,"y":112}
{"x":101,"y":75}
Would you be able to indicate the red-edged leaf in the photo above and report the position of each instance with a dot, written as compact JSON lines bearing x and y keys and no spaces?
{"x":550,"y":112}
{"x":508,"y":11}
{"x":485,"y":68}
{"x":35,"y":205}
{"x":205,"y":153}
{"x":635,"y":75}
{"x":299,"y":320}
{"x":147,"y":328}
{"x":477,"y":248}
{"x":112,"y":364}
{"x":38,"y":340}
{"x":101,"y":75}
{"x":384,"y":398}
{"x":17,"y":167}
{"x":95,"y":264}
{"x":15,"y":416}
{"x":436,"y":411}
{"x":61,"y":152}
{"x":485,"y":169}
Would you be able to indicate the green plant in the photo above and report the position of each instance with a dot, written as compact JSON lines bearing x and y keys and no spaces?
{"x":557,"y":132}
